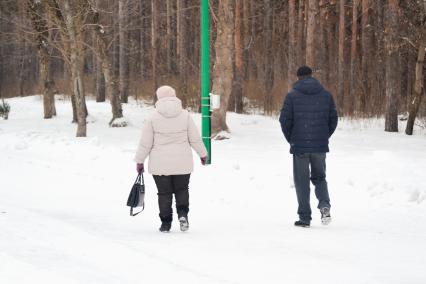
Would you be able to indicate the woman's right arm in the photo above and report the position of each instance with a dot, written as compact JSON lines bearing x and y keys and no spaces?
{"x":145,"y":143}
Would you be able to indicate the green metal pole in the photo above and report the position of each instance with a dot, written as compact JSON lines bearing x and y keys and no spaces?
{"x":205,"y":78}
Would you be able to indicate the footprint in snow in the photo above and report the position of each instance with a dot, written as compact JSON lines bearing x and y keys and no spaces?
{"x":21,"y":145}
{"x":372,"y":186}
{"x":417,"y":196}
{"x":249,"y":122}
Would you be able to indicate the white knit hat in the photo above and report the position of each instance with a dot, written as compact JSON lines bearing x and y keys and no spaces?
{"x":165,"y":91}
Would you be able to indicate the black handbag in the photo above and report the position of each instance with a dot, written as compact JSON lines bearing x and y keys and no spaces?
{"x":137,"y":195}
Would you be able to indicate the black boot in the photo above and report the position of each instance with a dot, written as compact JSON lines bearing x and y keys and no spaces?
{"x":166,"y":224}
{"x":301,"y":224}
{"x":165,"y":227}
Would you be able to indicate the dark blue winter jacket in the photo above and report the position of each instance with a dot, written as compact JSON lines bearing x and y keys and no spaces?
{"x":308,"y":117}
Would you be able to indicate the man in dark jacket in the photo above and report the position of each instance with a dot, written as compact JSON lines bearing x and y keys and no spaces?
{"x":308,"y":119}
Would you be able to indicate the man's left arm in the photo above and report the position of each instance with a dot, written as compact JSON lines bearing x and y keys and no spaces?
{"x":286,"y":117}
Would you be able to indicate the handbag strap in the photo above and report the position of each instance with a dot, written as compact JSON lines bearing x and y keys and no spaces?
{"x":138,"y":178}
{"x":134,"y":214}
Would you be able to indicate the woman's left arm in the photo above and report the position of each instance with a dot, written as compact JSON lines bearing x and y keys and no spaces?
{"x":195,"y":139}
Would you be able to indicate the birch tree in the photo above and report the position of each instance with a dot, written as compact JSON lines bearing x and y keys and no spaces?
{"x":73,"y":18}
{"x":111,"y":80}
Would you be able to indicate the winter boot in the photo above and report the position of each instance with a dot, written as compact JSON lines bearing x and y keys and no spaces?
{"x":166,"y":224}
{"x":184,"y":225}
{"x":301,"y":224}
{"x":165,"y":227}
{"x":325,"y":215}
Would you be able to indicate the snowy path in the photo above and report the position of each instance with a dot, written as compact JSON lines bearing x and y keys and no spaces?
{"x":63,"y":219}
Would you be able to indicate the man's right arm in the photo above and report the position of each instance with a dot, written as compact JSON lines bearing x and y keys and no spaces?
{"x":286,"y":117}
{"x":332,"y":117}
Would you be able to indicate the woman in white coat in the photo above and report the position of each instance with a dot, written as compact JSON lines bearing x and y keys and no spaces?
{"x":167,"y":138}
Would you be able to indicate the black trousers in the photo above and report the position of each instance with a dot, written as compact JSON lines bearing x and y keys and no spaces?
{"x":167,"y":186}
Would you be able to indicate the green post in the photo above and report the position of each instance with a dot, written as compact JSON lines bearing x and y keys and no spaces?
{"x":205,"y":78}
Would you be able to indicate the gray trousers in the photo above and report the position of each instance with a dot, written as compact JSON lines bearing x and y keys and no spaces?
{"x":303,"y":175}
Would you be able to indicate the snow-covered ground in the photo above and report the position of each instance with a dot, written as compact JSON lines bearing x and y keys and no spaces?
{"x":63,"y":217}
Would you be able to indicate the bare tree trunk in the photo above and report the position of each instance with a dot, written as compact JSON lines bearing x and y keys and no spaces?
{"x":112,"y":87}
{"x":392,"y":66}
{"x":123,"y":49}
{"x":100,"y":85}
{"x":1,"y":56}
{"x":55,"y":12}
{"x":321,"y":50}
{"x":411,"y":78}
{"x":76,"y":67}
{"x":381,"y":66}
{"x":112,"y":90}
{"x":416,"y":100}
{"x":169,"y":36}
{"x":332,"y":45}
{"x":292,"y":52}
{"x":100,"y":80}
{"x":300,"y":33}
{"x":180,"y":4}
{"x":341,"y":64}
{"x":154,"y":44}
{"x":21,"y":73}
{"x":143,"y":38}
{"x":268,"y":57}
{"x":116,"y":40}
{"x":354,"y":58}
{"x":311,"y":33}
{"x":247,"y":39}
{"x":222,"y":69}
{"x":366,"y":42}
{"x":181,"y":48}
{"x":404,"y":69}
{"x":305,"y":29}
{"x":253,"y":64}
{"x":38,"y":18}
{"x":238,"y":77}
{"x":48,"y":84}
{"x":74,"y":109}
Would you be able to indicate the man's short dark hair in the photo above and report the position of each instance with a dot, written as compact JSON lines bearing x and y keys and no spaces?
{"x":304,"y":71}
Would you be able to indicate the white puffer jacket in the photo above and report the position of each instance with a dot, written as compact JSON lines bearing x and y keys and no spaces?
{"x":167,"y":138}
